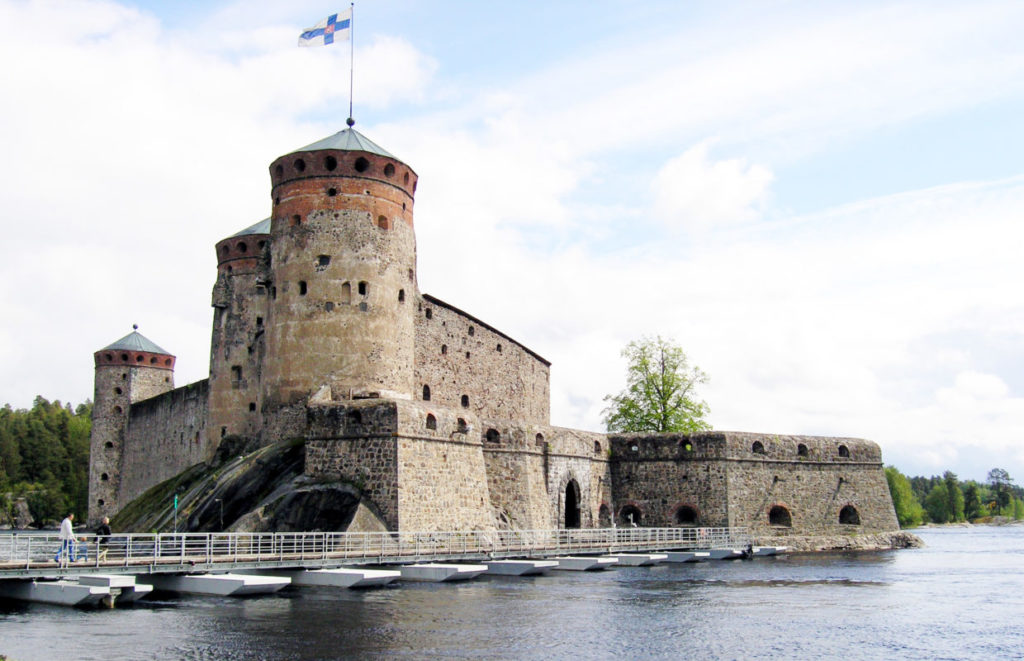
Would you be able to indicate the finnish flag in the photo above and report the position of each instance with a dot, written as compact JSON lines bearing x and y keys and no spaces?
{"x":334,"y":27}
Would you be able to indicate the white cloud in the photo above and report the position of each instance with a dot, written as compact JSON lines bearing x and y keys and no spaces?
{"x":133,"y":147}
{"x":694,"y":192}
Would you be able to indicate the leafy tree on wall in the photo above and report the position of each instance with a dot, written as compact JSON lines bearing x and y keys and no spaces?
{"x":660,"y":394}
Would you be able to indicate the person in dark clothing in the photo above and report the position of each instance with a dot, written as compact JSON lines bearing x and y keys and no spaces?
{"x":102,"y":539}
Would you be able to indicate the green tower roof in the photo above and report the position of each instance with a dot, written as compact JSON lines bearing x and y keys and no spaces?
{"x":262,"y":227}
{"x":348,"y":140}
{"x":135,"y":341}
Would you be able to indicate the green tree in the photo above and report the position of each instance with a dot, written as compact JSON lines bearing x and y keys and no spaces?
{"x":972,"y":501}
{"x":908,"y":510}
{"x":954,"y":496}
{"x":937,"y":504}
{"x":660,"y":394}
{"x":1002,"y":487}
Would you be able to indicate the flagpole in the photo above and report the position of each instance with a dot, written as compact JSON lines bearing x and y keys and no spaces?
{"x":351,"y":62}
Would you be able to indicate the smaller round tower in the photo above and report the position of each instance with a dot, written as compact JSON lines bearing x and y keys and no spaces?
{"x":127,"y":371}
{"x":240,"y":306}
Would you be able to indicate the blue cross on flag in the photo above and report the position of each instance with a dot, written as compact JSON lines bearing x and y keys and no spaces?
{"x":335,"y":26}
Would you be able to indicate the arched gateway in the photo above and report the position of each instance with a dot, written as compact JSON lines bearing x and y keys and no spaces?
{"x":572,"y":504}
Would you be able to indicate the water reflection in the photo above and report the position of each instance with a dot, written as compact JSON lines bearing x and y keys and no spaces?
{"x":956,"y":599}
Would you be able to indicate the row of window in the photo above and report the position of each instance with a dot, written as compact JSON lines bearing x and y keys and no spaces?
{"x":779,"y":516}
{"x":241,"y":247}
{"x":139,"y":358}
{"x":801,"y":450}
{"x":330,"y":163}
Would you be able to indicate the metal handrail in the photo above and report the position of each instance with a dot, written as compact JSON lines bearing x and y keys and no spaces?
{"x":25,"y":551}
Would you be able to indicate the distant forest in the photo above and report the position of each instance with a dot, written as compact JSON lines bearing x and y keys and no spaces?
{"x":946,"y":499}
{"x":44,"y":458}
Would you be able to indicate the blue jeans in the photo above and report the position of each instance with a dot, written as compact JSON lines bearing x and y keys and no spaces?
{"x":69,"y":549}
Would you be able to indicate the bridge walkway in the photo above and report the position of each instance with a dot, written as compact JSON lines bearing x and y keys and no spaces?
{"x":31,"y":555}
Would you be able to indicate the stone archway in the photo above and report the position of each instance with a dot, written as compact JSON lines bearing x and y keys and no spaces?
{"x":572,"y":504}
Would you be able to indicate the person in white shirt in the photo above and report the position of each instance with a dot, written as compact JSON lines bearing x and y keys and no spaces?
{"x":67,"y":540}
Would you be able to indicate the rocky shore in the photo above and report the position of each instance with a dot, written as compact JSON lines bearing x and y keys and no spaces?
{"x":886,"y":541}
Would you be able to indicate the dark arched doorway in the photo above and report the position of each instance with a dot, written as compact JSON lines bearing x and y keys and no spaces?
{"x":572,"y":505}
{"x":849,"y":516}
{"x":630,"y":516}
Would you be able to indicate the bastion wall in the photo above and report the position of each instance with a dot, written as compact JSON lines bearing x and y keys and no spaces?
{"x":775,"y":485}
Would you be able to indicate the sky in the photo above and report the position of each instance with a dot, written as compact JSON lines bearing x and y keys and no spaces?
{"x":821,"y":202}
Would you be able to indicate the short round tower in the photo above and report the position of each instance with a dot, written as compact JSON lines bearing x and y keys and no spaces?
{"x":240,"y":304}
{"x":127,"y":371}
{"x":343,"y":259}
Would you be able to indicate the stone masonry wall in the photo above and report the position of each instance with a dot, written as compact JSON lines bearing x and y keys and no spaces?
{"x":442,"y":480}
{"x":164,"y":436}
{"x":658,"y":475}
{"x":354,"y":443}
{"x":240,"y":302}
{"x":530,"y":469}
{"x":468,"y":365}
{"x":730,"y":478}
{"x":813,"y":484}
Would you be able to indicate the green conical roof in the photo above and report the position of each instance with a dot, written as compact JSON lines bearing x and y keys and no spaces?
{"x":135,"y":341}
{"x":262,"y":227}
{"x":348,"y":140}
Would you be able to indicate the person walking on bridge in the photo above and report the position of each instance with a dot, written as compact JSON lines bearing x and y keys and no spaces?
{"x":102,"y":539}
{"x":67,"y":540}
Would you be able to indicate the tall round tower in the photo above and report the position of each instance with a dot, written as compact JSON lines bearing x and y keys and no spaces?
{"x":236,"y":349}
{"x":127,"y":371}
{"x":343,"y":262}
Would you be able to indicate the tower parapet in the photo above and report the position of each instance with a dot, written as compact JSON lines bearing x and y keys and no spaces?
{"x":343,"y":258}
{"x":129,"y":370}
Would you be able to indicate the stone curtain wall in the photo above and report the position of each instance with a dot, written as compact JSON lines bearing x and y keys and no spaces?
{"x":529,"y":469}
{"x":736,"y":479}
{"x":441,"y":473}
{"x":164,"y":436}
{"x":516,"y":463}
{"x":459,"y":356}
{"x":813,"y":487}
{"x":667,"y":472}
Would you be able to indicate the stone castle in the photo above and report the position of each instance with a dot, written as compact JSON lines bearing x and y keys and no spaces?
{"x":435,"y":419}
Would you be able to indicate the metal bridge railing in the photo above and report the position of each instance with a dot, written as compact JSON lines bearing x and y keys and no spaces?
{"x":32,"y":550}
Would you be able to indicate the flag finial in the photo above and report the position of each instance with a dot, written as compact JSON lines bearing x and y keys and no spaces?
{"x":351,"y":122}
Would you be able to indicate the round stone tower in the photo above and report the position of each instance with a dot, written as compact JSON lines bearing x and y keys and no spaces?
{"x":127,"y":371}
{"x":343,"y":262}
{"x":240,"y":305}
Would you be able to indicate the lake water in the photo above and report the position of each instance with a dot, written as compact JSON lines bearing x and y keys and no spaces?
{"x":962,"y":597}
